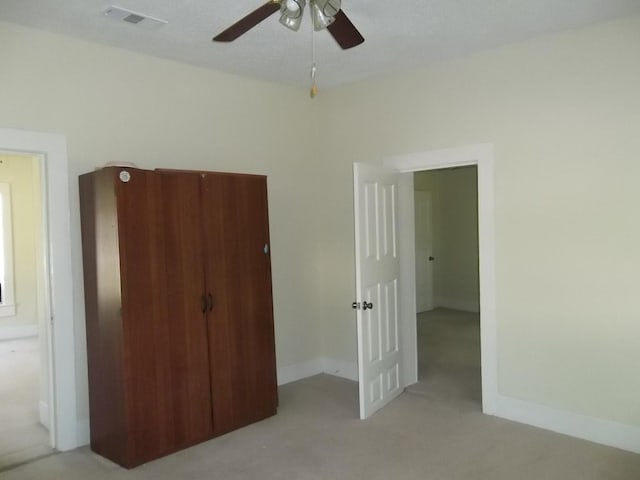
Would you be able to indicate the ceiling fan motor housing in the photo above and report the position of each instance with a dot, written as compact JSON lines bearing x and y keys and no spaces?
{"x":325,"y":14}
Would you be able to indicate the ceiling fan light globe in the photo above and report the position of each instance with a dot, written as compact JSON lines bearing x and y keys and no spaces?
{"x":329,"y":8}
{"x":320,"y":20}
{"x":293,"y":8}
{"x":292,"y":23}
{"x":292,"y":5}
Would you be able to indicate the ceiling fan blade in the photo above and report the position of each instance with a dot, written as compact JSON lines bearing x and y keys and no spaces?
{"x":345,"y":32}
{"x":247,"y":23}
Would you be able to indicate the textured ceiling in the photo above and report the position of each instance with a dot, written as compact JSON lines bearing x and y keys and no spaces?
{"x":400,"y":35}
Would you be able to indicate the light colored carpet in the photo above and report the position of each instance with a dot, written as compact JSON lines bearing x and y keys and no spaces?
{"x":317,"y":436}
{"x":449,"y":356}
{"x":22,"y":438}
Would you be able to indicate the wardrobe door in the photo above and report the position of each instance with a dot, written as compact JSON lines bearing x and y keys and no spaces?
{"x":238,"y":275}
{"x":186,"y":305}
{"x":165,"y":342}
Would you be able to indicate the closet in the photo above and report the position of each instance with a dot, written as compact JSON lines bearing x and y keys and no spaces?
{"x":177,"y":281}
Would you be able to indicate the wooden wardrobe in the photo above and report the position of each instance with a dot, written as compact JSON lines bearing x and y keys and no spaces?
{"x":177,"y":280}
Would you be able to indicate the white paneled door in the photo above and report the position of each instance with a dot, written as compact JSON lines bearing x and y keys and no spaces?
{"x":377,"y":277}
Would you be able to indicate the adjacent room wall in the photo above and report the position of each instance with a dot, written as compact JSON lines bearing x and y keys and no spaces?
{"x":562,"y":112}
{"x":455,"y":235}
{"x":21,"y":173}
{"x":117,"y":106}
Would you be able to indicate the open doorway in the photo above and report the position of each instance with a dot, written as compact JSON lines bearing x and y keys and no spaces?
{"x":24,"y":335}
{"x":447,"y":285}
{"x":481,"y":156}
{"x":51,"y":150}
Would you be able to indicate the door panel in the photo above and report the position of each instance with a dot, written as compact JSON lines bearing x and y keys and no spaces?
{"x":372,"y":321}
{"x":238,"y":276}
{"x":183,"y":290}
{"x":377,"y":273}
{"x":165,"y":334}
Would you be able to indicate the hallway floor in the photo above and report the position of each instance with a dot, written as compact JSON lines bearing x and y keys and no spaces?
{"x":22,"y":438}
{"x":449,"y":356}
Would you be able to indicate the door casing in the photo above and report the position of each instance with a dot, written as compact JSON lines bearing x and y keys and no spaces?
{"x":52,"y":150}
{"x":482,"y":156}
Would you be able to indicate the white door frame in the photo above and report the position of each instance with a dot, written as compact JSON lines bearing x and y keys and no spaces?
{"x":480,"y":155}
{"x":52,"y":149}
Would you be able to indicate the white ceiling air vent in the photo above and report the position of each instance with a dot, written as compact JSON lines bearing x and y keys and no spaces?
{"x":140,"y":19}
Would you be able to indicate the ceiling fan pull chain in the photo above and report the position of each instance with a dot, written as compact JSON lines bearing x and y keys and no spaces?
{"x":314,"y":87}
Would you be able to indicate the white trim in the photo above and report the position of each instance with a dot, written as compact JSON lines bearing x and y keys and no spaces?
{"x":330,"y":366}
{"x":480,"y":155}
{"x":340,"y":368}
{"x":298,"y":371}
{"x":18,"y":331}
{"x":63,"y":395}
{"x":594,"y":429}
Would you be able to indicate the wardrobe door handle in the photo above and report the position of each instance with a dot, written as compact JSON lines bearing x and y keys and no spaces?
{"x":210,"y":302}
{"x":203,"y":304}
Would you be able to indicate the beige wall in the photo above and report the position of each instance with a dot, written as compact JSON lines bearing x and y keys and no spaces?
{"x":454,"y":196}
{"x":117,"y":106}
{"x":563,"y":113}
{"x":21,"y":173}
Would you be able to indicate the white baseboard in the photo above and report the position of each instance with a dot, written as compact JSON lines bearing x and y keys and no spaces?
{"x":598,"y":430}
{"x":18,"y":331}
{"x":43,"y":412}
{"x":339,"y":368}
{"x":299,"y":371}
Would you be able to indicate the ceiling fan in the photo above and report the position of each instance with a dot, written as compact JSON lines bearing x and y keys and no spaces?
{"x":324,"y":13}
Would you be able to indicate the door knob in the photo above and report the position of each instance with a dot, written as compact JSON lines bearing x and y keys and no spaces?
{"x":365,"y":306}
{"x":431,"y":259}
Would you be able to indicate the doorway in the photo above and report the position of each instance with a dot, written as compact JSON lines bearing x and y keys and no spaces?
{"x":480,"y":155}
{"x":24,"y":333}
{"x":447,"y":290}
{"x":51,"y":150}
